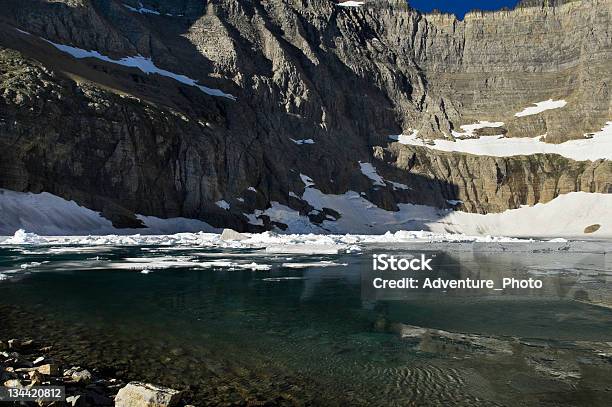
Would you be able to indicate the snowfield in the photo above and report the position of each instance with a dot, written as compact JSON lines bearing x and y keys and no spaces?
{"x":566,"y":216}
{"x":48,"y":214}
{"x":596,"y":147}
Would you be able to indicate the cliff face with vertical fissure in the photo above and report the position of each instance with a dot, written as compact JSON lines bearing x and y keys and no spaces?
{"x":123,"y":141}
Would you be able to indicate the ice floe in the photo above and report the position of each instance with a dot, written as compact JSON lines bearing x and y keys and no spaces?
{"x":323,"y":263}
{"x":148,"y":264}
{"x":144,"y":64}
{"x":276,"y":279}
{"x":592,"y":147}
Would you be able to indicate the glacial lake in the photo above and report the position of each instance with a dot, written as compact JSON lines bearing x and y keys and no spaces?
{"x":242,"y":325}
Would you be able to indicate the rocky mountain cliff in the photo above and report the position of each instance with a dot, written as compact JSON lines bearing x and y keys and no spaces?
{"x":222,"y":110}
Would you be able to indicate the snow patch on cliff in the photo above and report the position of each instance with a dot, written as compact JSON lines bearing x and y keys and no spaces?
{"x":541,"y":107}
{"x":146,"y":65}
{"x":141,"y":9}
{"x":592,"y":147}
{"x":369,"y":171}
{"x":303,"y":141}
{"x":351,"y":3}
{"x":469,"y":129}
{"x":223,"y":204}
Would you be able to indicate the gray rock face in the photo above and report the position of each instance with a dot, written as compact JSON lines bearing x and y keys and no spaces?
{"x":121,"y":141}
{"x":493,"y":184}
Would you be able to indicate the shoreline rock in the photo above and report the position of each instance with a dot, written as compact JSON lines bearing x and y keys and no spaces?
{"x":84,"y":386}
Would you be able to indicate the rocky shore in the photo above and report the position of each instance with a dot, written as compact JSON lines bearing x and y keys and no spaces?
{"x":26,"y":363}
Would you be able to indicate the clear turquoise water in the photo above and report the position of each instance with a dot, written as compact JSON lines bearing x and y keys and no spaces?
{"x":235,"y":335}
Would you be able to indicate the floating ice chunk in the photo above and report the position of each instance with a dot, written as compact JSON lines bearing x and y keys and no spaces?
{"x":353,"y":249}
{"x":223,"y":204}
{"x":145,"y":271}
{"x":229,"y":234}
{"x":21,"y":237}
{"x":369,"y":171}
{"x":3,"y":277}
{"x":324,"y":263}
{"x":541,"y":107}
{"x":303,"y":141}
{"x":254,"y":266}
{"x":304,"y":249}
{"x":30,"y":265}
{"x":282,"y":278}
{"x":146,"y":65}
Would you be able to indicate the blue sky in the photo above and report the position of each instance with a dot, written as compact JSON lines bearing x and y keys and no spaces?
{"x":460,"y":7}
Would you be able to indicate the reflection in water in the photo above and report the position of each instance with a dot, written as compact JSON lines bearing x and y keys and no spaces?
{"x":315,"y":335}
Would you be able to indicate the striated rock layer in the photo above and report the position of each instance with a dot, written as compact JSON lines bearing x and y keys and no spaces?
{"x":121,"y":141}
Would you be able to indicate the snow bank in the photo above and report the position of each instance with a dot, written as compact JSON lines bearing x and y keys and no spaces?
{"x":595,"y":147}
{"x":541,"y":107}
{"x":146,"y":65}
{"x":47,"y":214}
{"x":566,"y":216}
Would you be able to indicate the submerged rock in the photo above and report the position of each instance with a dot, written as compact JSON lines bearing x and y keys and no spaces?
{"x":138,"y":394}
{"x":81,"y":376}
{"x":592,"y":228}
